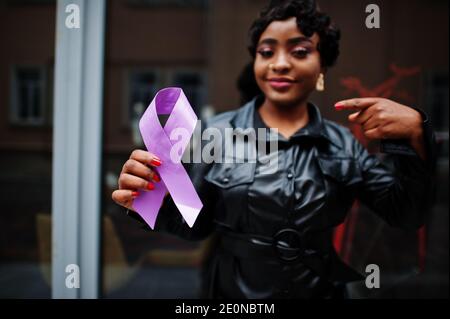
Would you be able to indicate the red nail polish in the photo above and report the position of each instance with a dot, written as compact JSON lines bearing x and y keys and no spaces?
{"x":134,"y":194}
{"x":156,"y":162}
{"x":150,"y":186}
{"x":156,"y":177}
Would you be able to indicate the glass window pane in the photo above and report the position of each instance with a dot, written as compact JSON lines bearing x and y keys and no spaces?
{"x":25,"y":154}
{"x":137,"y":263}
{"x":193,"y":86}
{"x":203,"y":50}
{"x":30,"y":95}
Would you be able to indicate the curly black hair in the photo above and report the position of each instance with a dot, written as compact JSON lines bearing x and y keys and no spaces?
{"x":309,"y":20}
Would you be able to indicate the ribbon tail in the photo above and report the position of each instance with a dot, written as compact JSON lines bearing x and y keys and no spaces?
{"x":183,"y":192}
{"x":189,"y":213}
{"x":147,"y":205}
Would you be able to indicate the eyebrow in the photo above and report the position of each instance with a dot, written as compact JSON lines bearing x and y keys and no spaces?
{"x":295,"y":40}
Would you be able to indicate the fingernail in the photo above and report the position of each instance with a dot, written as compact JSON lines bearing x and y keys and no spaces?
{"x":150,"y":186}
{"x":156,"y":162}
{"x":339,"y":106}
{"x":134,"y":194}
{"x":156,"y":177}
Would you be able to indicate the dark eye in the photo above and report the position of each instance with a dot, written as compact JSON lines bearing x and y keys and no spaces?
{"x":265,"y":53}
{"x":301,"y":53}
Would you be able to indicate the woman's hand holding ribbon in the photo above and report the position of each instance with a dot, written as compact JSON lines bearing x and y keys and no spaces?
{"x":137,"y":175}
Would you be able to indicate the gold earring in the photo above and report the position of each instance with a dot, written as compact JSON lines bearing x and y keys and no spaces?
{"x":320,"y":84}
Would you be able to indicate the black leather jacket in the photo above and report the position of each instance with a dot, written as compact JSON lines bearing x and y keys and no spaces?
{"x":274,"y":232}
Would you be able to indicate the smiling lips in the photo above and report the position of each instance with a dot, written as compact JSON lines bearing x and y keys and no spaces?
{"x":281,"y":83}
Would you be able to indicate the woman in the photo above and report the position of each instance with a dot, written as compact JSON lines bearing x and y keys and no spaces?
{"x":274,"y":230}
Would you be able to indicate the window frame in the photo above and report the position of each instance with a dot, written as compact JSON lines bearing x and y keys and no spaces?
{"x":126,"y":100}
{"x":164,"y":77}
{"x":14,"y":108}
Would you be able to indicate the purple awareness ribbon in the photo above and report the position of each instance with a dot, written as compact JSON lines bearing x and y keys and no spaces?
{"x":174,"y":177}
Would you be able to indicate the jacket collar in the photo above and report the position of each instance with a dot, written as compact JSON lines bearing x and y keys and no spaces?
{"x":244,"y":118}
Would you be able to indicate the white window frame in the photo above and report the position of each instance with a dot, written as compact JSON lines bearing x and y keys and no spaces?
{"x":77,"y":149}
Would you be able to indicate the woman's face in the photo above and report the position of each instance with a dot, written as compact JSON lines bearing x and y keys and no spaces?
{"x":287,"y":63}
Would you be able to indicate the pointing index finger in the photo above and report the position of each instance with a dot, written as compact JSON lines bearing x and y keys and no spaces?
{"x":356,"y":104}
